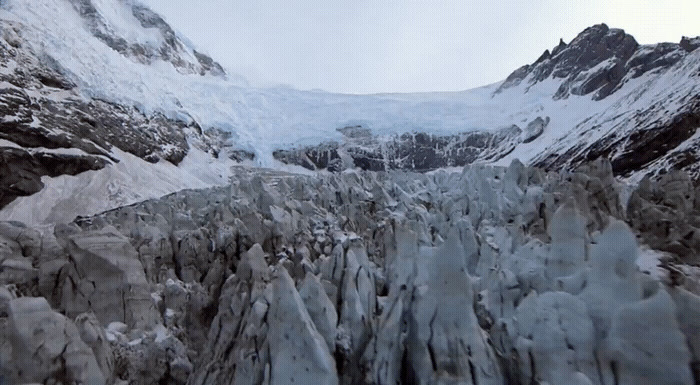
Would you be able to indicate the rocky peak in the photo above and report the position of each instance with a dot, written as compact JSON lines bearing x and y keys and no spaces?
{"x":597,"y":61}
{"x":591,"y":47}
{"x":559,"y":47}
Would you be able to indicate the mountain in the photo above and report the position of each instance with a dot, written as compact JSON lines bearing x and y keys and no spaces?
{"x":602,"y":95}
{"x":147,"y":92}
{"x":162,"y":221}
{"x":53,"y":125}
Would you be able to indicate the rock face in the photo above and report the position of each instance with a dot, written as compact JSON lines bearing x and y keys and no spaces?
{"x":675,"y":146}
{"x":491,"y":275}
{"x":21,"y":171}
{"x":411,"y":151}
{"x":534,"y":129}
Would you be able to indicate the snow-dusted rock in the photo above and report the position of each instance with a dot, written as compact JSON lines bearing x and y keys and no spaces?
{"x":152,"y":357}
{"x":534,"y":129}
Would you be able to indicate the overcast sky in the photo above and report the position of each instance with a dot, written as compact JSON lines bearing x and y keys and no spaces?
{"x":368,"y":46}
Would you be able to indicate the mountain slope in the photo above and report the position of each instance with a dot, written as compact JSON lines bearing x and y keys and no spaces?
{"x":602,"y":95}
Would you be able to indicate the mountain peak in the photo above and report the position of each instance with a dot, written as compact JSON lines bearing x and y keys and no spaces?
{"x":597,"y":61}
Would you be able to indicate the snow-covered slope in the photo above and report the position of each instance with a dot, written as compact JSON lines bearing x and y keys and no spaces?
{"x":594,"y":95}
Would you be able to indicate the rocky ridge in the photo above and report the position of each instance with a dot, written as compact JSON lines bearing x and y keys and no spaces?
{"x":168,"y":46}
{"x":491,"y":275}
{"x":599,"y":61}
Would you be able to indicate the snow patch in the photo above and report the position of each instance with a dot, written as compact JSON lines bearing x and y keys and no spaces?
{"x":129,"y":181}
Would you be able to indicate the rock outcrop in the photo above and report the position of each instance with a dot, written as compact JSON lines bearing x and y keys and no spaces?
{"x":169,"y":47}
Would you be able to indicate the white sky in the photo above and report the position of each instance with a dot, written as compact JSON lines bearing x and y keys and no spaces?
{"x":368,"y":46}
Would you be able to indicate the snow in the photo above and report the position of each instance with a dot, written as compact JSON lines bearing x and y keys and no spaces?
{"x":120,"y":18}
{"x":129,"y":181}
{"x":7,"y":143}
{"x":257,"y":116}
{"x":648,"y":261}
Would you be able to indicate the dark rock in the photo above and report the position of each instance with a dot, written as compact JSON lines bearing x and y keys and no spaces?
{"x":21,"y":171}
{"x":560,"y":47}
{"x":355,"y":132}
{"x":651,"y":142}
{"x":172,"y":50}
{"x":545,"y":55}
{"x":312,"y":158}
{"x":514,"y":78}
{"x":663,"y":55}
{"x":534,"y":129}
{"x":690,"y":44}
{"x":410,"y":151}
{"x":209,"y":65}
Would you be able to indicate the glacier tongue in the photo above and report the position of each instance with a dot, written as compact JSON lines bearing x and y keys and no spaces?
{"x":490,"y":275}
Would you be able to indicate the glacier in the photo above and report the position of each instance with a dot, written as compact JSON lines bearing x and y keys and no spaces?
{"x":152,"y":235}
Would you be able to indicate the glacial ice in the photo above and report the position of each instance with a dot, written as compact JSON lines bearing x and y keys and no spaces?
{"x":488,"y":276}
